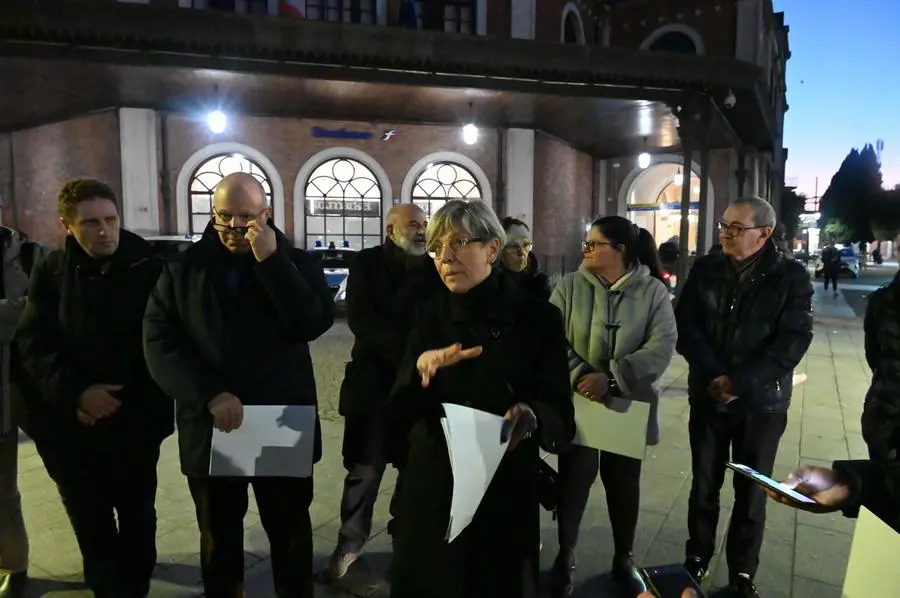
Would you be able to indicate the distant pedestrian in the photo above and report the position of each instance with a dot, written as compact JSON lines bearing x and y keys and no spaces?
{"x":831,"y":267}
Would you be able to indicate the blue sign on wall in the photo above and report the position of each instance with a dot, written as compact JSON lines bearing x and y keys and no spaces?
{"x":340,"y":133}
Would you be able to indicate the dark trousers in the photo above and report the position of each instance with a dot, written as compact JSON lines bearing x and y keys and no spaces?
{"x":752,"y":440}
{"x":621,"y":477}
{"x":364,"y":460}
{"x":831,"y":277}
{"x":100,"y":486}
{"x":283,"y":503}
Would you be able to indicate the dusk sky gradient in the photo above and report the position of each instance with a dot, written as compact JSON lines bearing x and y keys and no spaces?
{"x":843,"y":86}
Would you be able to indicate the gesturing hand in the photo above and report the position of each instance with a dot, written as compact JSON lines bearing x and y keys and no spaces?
{"x":96,"y":402}
{"x":431,"y":361}
{"x":825,"y":486}
{"x":518,"y":423}
{"x":227,"y":411}
{"x":261,"y":237}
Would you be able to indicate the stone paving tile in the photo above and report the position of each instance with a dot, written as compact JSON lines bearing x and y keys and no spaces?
{"x":803,"y":556}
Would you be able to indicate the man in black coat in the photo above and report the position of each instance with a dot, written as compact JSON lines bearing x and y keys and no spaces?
{"x":96,"y":415}
{"x":228,"y":325}
{"x":881,"y":413}
{"x":744,"y":323}
{"x":385,"y":286}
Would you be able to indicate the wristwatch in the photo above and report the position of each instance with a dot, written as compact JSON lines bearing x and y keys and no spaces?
{"x":613,"y":389}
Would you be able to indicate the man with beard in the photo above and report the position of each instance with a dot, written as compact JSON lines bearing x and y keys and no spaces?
{"x":385,"y":285}
{"x":228,"y":325}
{"x":97,"y":417}
{"x":744,"y":323}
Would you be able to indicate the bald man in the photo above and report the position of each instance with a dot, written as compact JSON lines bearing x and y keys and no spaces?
{"x":386,"y":284}
{"x":96,"y":416}
{"x":228,"y":325}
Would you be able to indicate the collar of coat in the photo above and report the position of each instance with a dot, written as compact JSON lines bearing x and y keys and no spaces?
{"x":496,"y":299}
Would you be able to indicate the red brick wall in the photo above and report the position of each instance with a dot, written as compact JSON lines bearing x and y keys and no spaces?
{"x":288,"y":144}
{"x":563,"y":197}
{"x":714,"y":20}
{"x":45,"y":157}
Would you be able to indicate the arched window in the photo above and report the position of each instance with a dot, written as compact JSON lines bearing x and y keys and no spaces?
{"x":441,"y":181}
{"x":676,"y":42}
{"x":343,"y":205}
{"x":207,"y":176}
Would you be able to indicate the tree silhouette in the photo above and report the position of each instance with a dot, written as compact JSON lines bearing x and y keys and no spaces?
{"x":792,"y":204}
{"x":854,"y":188}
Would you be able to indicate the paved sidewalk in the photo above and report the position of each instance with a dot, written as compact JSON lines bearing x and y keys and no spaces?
{"x":804,"y":556}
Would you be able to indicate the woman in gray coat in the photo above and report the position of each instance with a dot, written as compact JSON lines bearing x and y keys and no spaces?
{"x":621,"y":331}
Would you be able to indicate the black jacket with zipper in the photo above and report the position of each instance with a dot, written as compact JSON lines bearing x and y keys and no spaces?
{"x":755,"y":331}
{"x":218,"y":322}
{"x":881,"y":413}
{"x":82,"y":325}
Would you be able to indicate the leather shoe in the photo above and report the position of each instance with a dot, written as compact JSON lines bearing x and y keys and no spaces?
{"x":562,"y":575}
{"x":12,"y":585}
{"x":627,"y":576}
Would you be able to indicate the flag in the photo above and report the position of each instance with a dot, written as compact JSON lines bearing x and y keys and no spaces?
{"x":291,"y":8}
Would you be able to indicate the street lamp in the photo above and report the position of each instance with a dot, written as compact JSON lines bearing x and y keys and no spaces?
{"x":470,"y":134}
{"x":216,"y":120}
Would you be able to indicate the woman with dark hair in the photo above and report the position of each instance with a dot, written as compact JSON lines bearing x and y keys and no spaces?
{"x":621,"y":331}
{"x":519,"y":263}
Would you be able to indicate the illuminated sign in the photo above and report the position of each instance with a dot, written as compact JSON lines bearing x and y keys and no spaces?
{"x":340,"y":207}
{"x":340,"y":133}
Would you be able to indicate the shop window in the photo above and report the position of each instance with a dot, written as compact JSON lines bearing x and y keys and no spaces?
{"x":454,"y":16}
{"x":441,"y":181}
{"x":343,"y":205}
{"x":346,"y":11}
{"x":207,"y":176}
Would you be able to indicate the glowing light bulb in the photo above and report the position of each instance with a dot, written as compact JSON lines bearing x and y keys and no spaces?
{"x":216,"y":121}
{"x":470,"y":134}
{"x":644,"y":160}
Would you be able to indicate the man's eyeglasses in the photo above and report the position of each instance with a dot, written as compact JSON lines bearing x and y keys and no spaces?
{"x":437,"y":249}
{"x":592,"y":245}
{"x":227,"y":218}
{"x":735,"y":229}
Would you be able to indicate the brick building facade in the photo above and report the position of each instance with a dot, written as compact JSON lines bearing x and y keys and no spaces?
{"x":151,"y":154}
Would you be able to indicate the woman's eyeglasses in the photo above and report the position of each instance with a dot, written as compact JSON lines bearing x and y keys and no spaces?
{"x":592,"y":245}
{"x":437,"y":249}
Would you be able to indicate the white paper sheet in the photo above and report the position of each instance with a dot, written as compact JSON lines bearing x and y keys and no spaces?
{"x":473,"y":444}
{"x":621,"y":429}
{"x":273,"y":441}
{"x":872,"y":568}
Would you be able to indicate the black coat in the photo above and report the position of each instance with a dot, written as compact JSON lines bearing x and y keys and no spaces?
{"x":382,"y":296}
{"x":532,"y":280}
{"x":222,"y":323}
{"x":881,"y":414}
{"x":82,"y":325}
{"x":524,"y":360}
{"x":874,"y":485}
{"x":755,"y":331}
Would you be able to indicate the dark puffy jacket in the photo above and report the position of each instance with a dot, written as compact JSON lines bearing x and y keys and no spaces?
{"x":755,"y":332}
{"x":531,"y":280}
{"x":881,"y":415}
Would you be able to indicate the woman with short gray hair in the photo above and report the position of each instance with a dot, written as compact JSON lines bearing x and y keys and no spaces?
{"x":485,"y":344}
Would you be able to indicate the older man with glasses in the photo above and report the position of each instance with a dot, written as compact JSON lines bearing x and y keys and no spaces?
{"x":744,"y":323}
{"x":228,"y":325}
